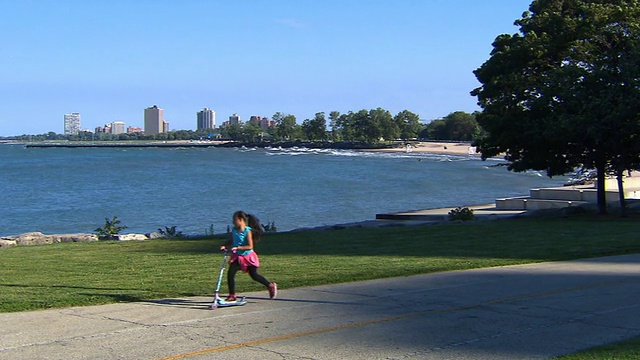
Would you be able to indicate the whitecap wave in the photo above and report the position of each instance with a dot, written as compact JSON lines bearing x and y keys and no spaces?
{"x":297,"y":151}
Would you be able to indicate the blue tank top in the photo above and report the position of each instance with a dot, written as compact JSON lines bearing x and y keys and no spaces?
{"x":240,"y":239}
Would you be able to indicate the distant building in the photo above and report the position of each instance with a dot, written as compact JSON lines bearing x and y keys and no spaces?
{"x":117,"y":127}
{"x":206,"y":119}
{"x":266,"y":123}
{"x":165,"y":126}
{"x":132,"y":129}
{"x":255,"y":120}
{"x":71,"y":124}
{"x":154,"y":121}
{"x":235,"y":120}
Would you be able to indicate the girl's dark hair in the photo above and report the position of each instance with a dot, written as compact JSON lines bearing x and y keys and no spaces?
{"x":253,"y":222}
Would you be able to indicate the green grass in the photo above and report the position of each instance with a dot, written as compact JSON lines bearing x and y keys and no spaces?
{"x":624,"y":350}
{"x":62,"y":275}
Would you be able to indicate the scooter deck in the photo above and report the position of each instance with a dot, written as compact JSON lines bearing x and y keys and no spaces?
{"x":222,"y":303}
{"x":240,"y":302}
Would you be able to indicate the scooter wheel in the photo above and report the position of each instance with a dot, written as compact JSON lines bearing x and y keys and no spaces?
{"x":213,"y":306}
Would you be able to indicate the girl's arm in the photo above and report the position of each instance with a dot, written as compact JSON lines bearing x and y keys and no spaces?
{"x":249,"y":245}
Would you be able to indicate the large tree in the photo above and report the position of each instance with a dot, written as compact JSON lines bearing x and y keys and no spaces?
{"x":315,"y":129}
{"x":565,"y":90}
{"x":285,"y":126}
{"x":409,"y":124}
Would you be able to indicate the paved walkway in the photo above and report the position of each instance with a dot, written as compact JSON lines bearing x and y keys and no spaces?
{"x":518,"y":312}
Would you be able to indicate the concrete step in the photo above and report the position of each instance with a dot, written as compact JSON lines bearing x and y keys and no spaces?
{"x":527,"y":203}
{"x":575,"y":193}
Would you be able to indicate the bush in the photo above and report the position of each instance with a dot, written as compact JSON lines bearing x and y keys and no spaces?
{"x":460,"y":213}
{"x":110,"y":230}
{"x":209,"y":231}
{"x":270,"y":227}
{"x":171,"y":232}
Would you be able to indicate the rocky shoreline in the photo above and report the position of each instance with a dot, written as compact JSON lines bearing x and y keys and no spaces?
{"x":38,"y":238}
{"x":220,"y":144}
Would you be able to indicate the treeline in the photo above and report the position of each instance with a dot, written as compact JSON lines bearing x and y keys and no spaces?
{"x":371,"y":126}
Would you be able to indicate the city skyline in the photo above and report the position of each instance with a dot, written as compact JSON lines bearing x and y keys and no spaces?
{"x":298,"y":58}
{"x":205,"y":119}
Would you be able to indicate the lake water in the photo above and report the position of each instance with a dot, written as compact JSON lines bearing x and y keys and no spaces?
{"x":58,"y":190}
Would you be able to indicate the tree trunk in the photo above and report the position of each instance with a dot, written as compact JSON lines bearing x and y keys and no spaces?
{"x":623,"y":205}
{"x":602,"y":196}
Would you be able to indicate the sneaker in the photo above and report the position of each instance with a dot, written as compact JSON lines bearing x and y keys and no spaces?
{"x":273,"y":290}
{"x":231,"y":298}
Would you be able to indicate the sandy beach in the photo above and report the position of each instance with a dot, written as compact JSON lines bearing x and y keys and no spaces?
{"x":448,"y":148}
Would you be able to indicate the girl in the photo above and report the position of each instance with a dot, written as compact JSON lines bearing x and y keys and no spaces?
{"x":243,"y":257}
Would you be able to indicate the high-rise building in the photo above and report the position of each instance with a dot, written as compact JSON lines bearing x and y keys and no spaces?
{"x":118,"y":127}
{"x":266,"y":123}
{"x":154,"y":121}
{"x":235,"y":119}
{"x":206,"y":119}
{"x":71,"y":124}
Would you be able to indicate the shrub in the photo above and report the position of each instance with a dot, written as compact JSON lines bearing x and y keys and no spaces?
{"x":270,"y":227}
{"x":209,"y":231}
{"x":460,"y":213}
{"x":110,"y":230}
{"x":171,"y":232}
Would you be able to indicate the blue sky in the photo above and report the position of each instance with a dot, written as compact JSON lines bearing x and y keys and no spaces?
{"x":109,"y":60}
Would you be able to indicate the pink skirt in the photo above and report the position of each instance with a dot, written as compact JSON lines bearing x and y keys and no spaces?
{"x":251,"y":259}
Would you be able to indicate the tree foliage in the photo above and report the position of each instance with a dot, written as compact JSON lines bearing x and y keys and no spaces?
{"x":316,"y":128}
{"x":408,"y":124}
{"x":565,"y":90}
{"x":457,"y":126}
{"x":286,"y":126}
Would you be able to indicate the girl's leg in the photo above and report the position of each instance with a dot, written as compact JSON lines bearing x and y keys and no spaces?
{"x":253,"y":272}
{"x":231,"y":277}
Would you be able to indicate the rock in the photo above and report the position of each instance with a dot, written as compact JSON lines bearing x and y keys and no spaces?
{"x":7,"y":243}
{"x":33,"y":238}
{"x":155,"y":235}
{"x":64,"y":238}
{"x":132,"y":237}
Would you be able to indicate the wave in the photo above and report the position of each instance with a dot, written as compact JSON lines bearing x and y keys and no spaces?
{"x":298,"y":151}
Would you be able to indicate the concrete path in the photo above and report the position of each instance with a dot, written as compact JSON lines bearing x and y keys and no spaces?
{"x":517,"y":312}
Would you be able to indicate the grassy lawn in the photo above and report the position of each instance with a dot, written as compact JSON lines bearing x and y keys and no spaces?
{"x":624,"y":350}
{"x":61,"y":275}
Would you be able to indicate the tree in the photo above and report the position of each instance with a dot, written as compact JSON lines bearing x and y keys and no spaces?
{"x":461,"y":126}
{"x":436,"y":130}
{"x":345,"y":126}
{"x":386,"y":128}
{"x":334,"y":123}
{"x":316,"y":128}
{"x":564,"y":91}
{"x":251,"y":132}
{"x":234,"y":132}
{"x":409,"y":124}
{"x":285,"y":126}
{"x":458,"y":126}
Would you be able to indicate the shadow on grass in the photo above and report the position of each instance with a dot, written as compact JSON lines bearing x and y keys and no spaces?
{"x":65,"y":287}
{"x":541,"y":239}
